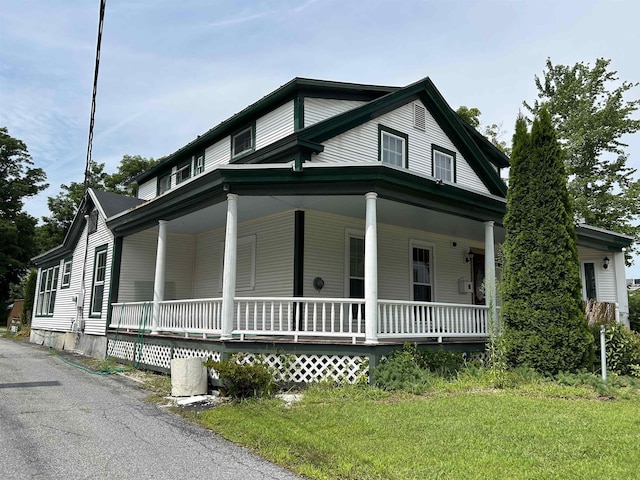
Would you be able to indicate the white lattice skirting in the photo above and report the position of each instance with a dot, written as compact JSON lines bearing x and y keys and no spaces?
{"x":286,"y":367}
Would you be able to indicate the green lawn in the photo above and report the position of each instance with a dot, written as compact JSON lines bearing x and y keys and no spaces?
{"x":494,"y":434}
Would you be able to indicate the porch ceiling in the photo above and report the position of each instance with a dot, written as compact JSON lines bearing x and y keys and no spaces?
{"x":388,"y":212}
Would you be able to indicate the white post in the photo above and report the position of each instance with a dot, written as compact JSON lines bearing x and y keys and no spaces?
{"x":158,"y":284}
{"x":371,"y":271}
{"x":603,"y":353}
{"x":229,"y":268}
{"x":621,"y":287}
{"x":490,"y":276}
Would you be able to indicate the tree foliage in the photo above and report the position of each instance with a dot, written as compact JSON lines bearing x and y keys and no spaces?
{"x":589,"y":111}
{"x":544,"y":323}
{"x":18,"y":181}
{"x":65,"y":204}
{"x":493,"y":132}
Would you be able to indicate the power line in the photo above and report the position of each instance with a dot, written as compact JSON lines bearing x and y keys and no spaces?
{"x":87,"y":170}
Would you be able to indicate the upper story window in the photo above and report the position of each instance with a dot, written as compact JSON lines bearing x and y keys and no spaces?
{"x":242,"y":142}
{"x":183,"y":171}
{"x":392,"y":147}
{"x":199,"y":164}
{"x":164,"y":183}
{"x":93,"y":221}
{"x":444,"y":164}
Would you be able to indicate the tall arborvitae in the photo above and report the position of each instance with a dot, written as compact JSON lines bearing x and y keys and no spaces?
{"x":542,"y":313}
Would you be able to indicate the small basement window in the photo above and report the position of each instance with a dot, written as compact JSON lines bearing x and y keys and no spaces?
{"x":242,"y":142}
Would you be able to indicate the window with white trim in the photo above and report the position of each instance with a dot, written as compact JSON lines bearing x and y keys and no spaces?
{"x":199,"y":164}
{"x":47,"y":291}
{"x":183,"y":172}
{"x":443,"y":163}
{"x":392,"y":147}
{"x":66,"y":273}
{"x":242,"y":142}
{"x":245,"y":263}
{"x":99,"y":277}
{"x":164,"y":183}
{"x":589,"y":286}
{"x":421,"y":273}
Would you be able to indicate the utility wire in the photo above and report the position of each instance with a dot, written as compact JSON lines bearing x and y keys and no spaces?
{"x":87,"y":170}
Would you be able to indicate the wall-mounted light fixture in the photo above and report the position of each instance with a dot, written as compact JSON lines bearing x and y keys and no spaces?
{"x":318,"y":283}
{"x":605,"y":262}
{"x":468,"y":257}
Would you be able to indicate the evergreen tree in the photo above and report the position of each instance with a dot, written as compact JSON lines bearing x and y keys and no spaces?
{"x":543,"y":317}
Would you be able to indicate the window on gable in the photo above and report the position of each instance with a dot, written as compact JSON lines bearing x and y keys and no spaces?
{"x":164,"y":183}
{"x":392,"y":147}
{"x":199,"y":164}
{"x":183,"y":171}
{"x":242,"y":142}
{"x":93,"y":221}
{"x":47,"y":291}
{"x":444,"y":164}
{"x":99,"y":276}
{"x":66,"y":273}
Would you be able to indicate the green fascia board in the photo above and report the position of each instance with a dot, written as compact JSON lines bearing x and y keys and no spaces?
{"x":599,"y":239}
{"x":283,"y":150}
{"x":288,"y":91}
{"x":390,"y":183}
{"x":438,"y":107}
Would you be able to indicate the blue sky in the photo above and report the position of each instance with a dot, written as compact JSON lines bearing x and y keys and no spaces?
{"x":171,"y":70}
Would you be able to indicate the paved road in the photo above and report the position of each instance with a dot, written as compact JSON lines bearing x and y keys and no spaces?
{"x":58,"y":422}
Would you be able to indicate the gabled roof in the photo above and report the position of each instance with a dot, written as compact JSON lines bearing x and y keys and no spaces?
{"x":298,"y":87}
{"x":107,"y":203}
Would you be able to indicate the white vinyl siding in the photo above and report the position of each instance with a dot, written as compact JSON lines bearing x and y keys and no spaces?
{"x":139,"y":261}
{"x":360,"y":145}
{"x":274,"y":125}
{"x":148,"y":189}
{"x":65,"y":312}
{"x":273,"y":258}
{"x":218,"y":154}
{"x":325,"y":256}
{"x":605,"y":279}
{"x":318,"y":109}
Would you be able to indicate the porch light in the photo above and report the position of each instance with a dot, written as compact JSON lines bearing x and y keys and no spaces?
{"x":318,"y":283}
{"x":605,"y":262}
{"x":469,"y":256}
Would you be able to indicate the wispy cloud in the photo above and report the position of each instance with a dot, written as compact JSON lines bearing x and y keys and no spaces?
{"x":237,"y":20}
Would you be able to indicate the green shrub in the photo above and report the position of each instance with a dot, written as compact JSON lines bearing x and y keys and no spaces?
{"x":623,"y":348}
{"x":401,"y":372}
{"x":440,"y":362}
{"x":634,"y":310}
{"x":243,"y":380}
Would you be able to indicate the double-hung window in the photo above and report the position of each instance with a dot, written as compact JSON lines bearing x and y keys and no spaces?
{"x":99,"y":276}
{"x":392,"y":147}
{"x":444,"y":164}
{"x":199,"y":164}
{"x":242,"y":142}
{"x":66,"y":273}
{"x":183,"y":171}
{"x":47,"y":291}
{"x":164,"y":183}
{"x":590,"y":289}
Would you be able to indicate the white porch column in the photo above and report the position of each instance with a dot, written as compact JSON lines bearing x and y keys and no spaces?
{"x":158,"y":284}
{"x":371,"y":271}
{"x":490,"y":276}
{"x":621,"y":286}
{"x":229,"y":268}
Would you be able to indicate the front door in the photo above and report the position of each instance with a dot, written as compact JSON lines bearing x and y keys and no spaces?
{"x":477,"y":275}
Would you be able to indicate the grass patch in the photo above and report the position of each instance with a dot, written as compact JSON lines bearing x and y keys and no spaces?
{"x":461,"y":429}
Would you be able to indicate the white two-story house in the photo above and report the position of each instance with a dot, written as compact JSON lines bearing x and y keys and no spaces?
{"x":328,"y":221}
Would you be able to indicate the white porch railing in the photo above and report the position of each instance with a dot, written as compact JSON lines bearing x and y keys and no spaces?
{"x":307,"y":317}
{"x":402,"y":319}
{"x":300,"y":316}
{"x":131,"y":316}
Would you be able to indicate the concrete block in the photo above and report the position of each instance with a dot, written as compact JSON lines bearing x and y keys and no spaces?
{"x":69,"y":341}
{"x":36,"y":336}
{"x":57,"y":340}
{"x":188,"y":377}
